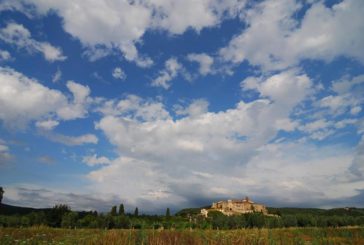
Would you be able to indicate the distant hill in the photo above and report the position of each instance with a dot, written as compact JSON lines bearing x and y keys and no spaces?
{"x":6,"y":209}
{"x":349,"y":211}
{"x":190,"y":211}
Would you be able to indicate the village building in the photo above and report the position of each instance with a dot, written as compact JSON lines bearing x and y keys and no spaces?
{"x":235,"y":207}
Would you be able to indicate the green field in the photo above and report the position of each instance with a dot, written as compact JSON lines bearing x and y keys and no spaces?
{"x":45,"y":235}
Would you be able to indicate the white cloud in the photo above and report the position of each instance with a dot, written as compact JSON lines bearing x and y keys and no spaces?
{"x":57,"y":76}
{"x":170,"y":71}
{"x":286,"y":88}
{"x":96,"y":53}
{"x":293,"y":169}
{"x":93,"y":160}
{"x":274,"y":39}
{"x":71,"y":140}
{"x":357,"y":167}
{"x":355,"y":110}
{"x":4,"y":152}
{"x":347,"y":97}
{"x":23,"y":99}
{"x":120,"y":25}
{"x":345,"y":122}
{"x":78,"y":107}
{"x":164,"y":151}
{"x":4,"y":55}
{"x":316,"y":125}
{"x":205,"y":61}
{"x":47,"y":124}
{"x":18,"y":35}
{"x":135,"y":108}
{"x":118,"y":73}
{"x":196,"y":108}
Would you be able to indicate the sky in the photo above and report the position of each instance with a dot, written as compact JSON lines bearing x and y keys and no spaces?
{"x":166,"y":103}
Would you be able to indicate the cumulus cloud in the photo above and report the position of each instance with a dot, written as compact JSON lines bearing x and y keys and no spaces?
{"x":93,"y":160}
{"x":196,"y":108}
{"x":135,"y":108}
{"x":4,"y":55}
{"x":34,"y":101}
{"x":170,"y":71}
{"x":286,"y":88}
{"x":78,"y":107}
{"x":118,"y":73}
{"x":275,"y":39}
{"x":47,"y":124}
{"x":164,"y":151}
{"x":23,"y":99}
{"x":18,"y":35}
{"x":205,"y":61}
{"x":120,"y":25}
{"x":347,"y":96}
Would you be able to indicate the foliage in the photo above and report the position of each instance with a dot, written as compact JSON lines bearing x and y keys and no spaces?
{"x":121,"y":209}
{"x":136,"y":212}
{"x":45,"y":235}
{"x":113,"y":211}
{"x":62,"y":216}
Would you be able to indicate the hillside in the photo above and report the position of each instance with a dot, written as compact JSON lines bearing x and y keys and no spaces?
{"x":6,"y":209}
{"x":349,"y":211}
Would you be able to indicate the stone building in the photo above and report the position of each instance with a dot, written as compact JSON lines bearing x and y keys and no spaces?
{"x":233,"y":207}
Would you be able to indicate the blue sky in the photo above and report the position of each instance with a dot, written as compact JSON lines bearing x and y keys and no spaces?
{"x":176,"y":104}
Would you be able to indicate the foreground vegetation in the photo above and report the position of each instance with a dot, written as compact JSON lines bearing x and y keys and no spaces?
{"x":41,"y":235}
{"x":61,"y":216}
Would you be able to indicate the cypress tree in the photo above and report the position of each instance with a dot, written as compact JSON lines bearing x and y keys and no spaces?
{"x":113,"y":211}
{"x":121,"y":209}
{"x":136,"y":212}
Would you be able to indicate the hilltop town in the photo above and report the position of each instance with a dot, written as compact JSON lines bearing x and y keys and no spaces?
{"x":235,"y":207}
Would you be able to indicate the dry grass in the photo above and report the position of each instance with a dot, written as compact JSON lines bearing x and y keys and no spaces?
{"x":45,"y":235}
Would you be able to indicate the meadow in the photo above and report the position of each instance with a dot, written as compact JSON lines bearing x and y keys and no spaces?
{"x":46,"y":235}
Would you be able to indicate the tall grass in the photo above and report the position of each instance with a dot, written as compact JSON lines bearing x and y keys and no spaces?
{"x":45,"y":235}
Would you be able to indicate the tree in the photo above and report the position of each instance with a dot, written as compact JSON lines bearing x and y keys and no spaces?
{"x":121,"y":209}
{"x":1,"y":193}
{"x":136,"y":212}
{"x":69,"y":220}
{"x":54,"y":216}
{"x":113,"y":211}
{"x":168,"y":213}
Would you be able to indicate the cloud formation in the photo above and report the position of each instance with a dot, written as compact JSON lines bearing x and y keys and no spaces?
{"x":17,"y":35}
{"x":120,"y":25}
{"x":35,"y":102}
{"x":275,"y":39}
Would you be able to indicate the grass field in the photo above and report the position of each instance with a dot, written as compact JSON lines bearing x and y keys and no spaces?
{"x":44,"y":235}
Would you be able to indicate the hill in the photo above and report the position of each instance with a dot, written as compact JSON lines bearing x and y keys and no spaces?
{"x":6,"y":209}
{"x":348,"y":211}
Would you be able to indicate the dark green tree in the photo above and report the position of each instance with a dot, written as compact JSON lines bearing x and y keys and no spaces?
{"x":69,"y":220}
{"x":168,"y":213}
{"x":54,"y":216}
{"x":1,"y":193}
{"x":121,"y":209}
{"x":113,"y":211}
{"x":136,"y":212}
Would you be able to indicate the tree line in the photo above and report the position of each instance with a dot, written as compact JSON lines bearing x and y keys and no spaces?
{"x":63,"y":216}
